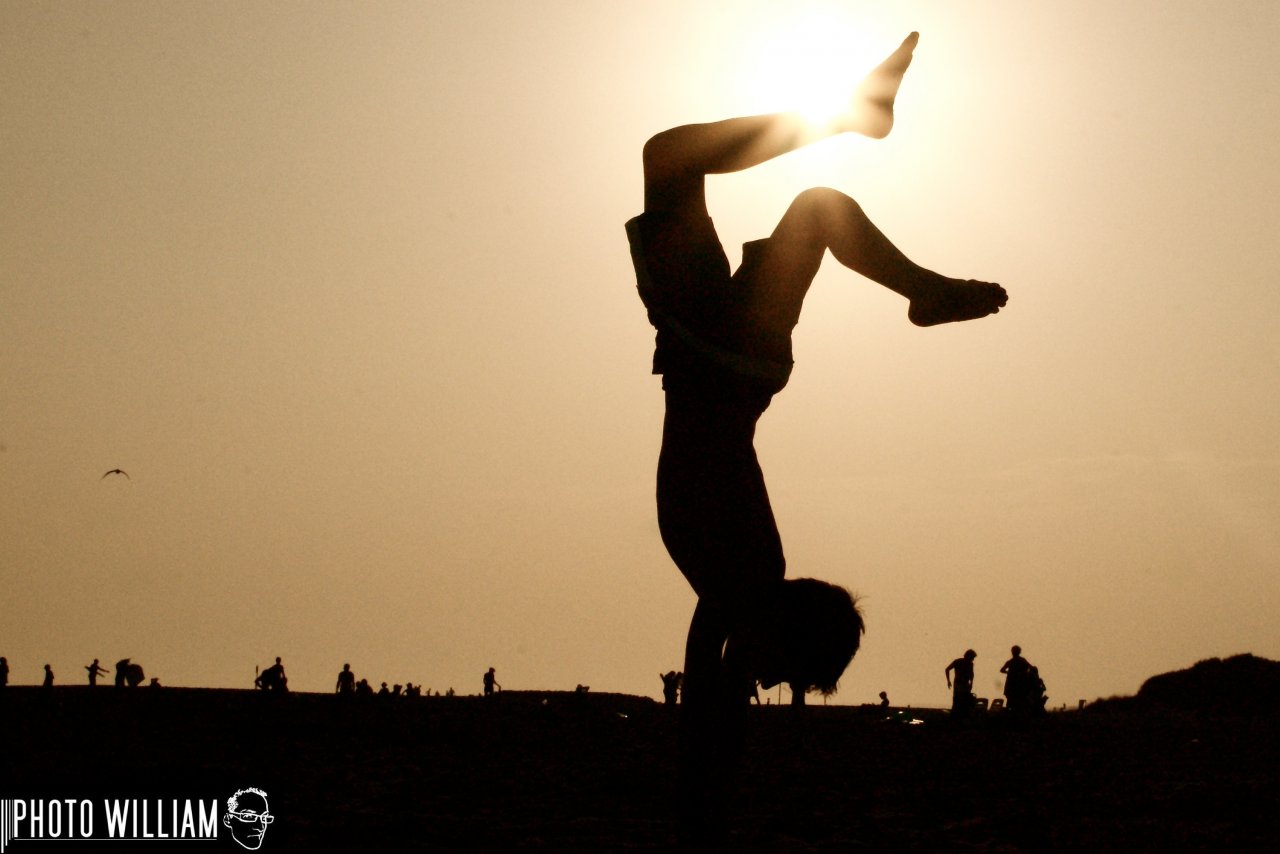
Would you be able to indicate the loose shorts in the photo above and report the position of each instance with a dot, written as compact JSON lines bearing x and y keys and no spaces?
{"x":697,"y":306}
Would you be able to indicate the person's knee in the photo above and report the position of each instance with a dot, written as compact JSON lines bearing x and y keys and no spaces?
{"x":820,"y":202}
{"x":661,"y":155}
{"x":812,"y":213}
{"x":657,"y":149}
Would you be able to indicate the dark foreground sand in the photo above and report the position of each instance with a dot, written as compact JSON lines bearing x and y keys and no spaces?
{"x":564,"y":772}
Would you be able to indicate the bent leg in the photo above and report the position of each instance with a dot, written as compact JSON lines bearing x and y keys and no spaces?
{"x":677,"y":161}
{"x":777,"y":272}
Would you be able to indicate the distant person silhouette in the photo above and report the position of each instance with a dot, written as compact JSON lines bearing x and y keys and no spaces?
{"x":128,"y":673}
{"x":346,"y":681}
{"x":1036,"y":698}
{"x":1016,"y":671}
{"x":95,"y":670}
{"x":670,"y":686}
{"x":724,"y":349}
{"x":48,"y":677}
{"x":273,"y":678}
{"x":4,"y":671}
{"x":962,"y":687}
{"x":491,"y":682}
{"x":884,"y":700}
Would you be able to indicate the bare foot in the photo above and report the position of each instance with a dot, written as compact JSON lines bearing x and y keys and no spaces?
{"x":951,"y":300}
{"x":871,"y":110}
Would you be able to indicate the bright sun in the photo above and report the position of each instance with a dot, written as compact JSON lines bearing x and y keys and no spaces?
{"x":809,"y":62}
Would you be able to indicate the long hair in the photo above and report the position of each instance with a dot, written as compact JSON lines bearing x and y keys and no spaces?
{"x":820,"y":630}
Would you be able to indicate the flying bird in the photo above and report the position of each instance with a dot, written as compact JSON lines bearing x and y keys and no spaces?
{"x":117,"y":471}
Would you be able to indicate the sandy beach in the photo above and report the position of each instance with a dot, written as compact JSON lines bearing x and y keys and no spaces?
{"x":559,"y":771}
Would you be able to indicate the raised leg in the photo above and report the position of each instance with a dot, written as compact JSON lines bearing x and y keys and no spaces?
{"x":676,"y":161}
{"x":777,"y":272}
{"x":870,"y":111}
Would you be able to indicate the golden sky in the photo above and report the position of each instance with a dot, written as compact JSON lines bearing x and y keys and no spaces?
{"x":345,"y":289}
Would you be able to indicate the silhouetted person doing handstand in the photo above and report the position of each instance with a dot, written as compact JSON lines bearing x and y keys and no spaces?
{"x":723,"y":349}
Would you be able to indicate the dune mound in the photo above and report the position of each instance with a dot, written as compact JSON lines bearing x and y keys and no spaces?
{"x":1239,"y":682}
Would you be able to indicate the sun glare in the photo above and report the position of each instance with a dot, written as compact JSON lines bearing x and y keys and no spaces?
{"x":808,"y":62}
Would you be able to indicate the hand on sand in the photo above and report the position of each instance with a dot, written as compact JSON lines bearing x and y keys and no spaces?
{"x":952,"y":300}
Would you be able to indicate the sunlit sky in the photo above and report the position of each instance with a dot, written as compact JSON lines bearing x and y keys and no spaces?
{"x":344,"y":288}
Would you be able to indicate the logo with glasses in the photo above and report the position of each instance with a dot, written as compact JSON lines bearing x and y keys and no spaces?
{"x":247,"y":817}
